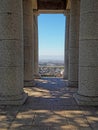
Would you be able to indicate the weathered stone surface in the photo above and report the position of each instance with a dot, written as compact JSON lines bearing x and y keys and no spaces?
{"x":88,"y":81}
{"x":73,"y":75}
{"x":74,"y":54}
{"x":74,"y":42}
{"x":10,"y":24}
{"x":29,"y":83}
{"x":11,"y":80}
{"x":28,"y":42}
{"x":88,"y":63}
{"x":11,"y":53}
{"x":36,"y":55}
{"x":10,"y":6}
{"x":89,"y":48}
{"x":11,"y":57}
{"x":49,"y":107}
{"x":66,"y":52}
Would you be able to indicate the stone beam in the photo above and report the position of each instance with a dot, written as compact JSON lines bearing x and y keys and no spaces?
{"x":34,"y":4}
{"x":50,"y":11}
{"x":68,"y":4}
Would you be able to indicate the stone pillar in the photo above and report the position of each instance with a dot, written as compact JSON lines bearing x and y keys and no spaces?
{"x":28,"y":43}
{"x":67,"y":13}
{"x":88,"y":54}
{"x":74,"y":43}
{"x":11,"y":53}
{"x":36,"y":64}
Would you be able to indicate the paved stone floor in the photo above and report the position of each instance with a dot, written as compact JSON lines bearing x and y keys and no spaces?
{"x":50,"y":106}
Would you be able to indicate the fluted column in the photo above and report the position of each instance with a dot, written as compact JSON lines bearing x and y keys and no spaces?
{"x":66,"y":51}
{"x":74,"y":43}
{"x":11,"y":53}
{"x":36,"y":64}
{"x":28,"y":43}
{"x":88,"y":54}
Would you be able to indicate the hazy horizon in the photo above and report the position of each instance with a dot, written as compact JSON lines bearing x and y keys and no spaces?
{"x":51,"y":58}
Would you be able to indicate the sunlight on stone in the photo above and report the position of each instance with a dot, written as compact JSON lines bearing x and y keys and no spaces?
{"x":41,"y":80}
{"x":3,"y":118}
{"x":92,"y":118}
{"x":69,"y":127}
{"x":80,"y":121}
{"x":36,"y":92}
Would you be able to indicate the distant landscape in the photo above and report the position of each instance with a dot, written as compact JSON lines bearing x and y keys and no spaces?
{"x":51,"y":67}
{"x":51,"y":58}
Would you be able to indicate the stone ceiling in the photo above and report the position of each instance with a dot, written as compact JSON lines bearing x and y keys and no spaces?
{"x":50,"y":5}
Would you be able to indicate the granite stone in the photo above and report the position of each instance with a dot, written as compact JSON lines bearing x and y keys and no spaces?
{"x":88,"y":48}
{"x":74,"y":42}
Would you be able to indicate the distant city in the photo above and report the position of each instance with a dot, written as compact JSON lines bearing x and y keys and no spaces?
{"x":51,"y":67}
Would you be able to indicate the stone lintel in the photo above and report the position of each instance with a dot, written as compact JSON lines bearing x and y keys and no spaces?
{"x":51,"y":11}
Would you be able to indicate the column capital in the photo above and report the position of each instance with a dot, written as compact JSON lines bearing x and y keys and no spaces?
{"x":35,"y":12}
{"x":67,"y":12}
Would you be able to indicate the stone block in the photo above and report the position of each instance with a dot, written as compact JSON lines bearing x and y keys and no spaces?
{"x":10,"y":44}
{"x":28,"y":71}
{"x":73,"y":76}
{"x":86,"y":100}
{"x":88,"y":81}
{"x":88,"y":53}
{"x":12,"y":100}
{"x":11,"y":57}
{"x":11,"y":80}
{"x":10,"y":26}
{"x":72,"y":83}
{"x":87,"y":24}
{"x":29,"y":83}
{"x":92,"y":6}
{"x":27,"y":7}
{"x":74,"y":54}
{"x":28,"y":53}
{"x":10,"y":6}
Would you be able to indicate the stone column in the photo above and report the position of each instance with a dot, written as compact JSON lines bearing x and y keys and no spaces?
{"x":74,"y":43}
{"x":28,"y":43}
{"x":11,"y":53}
{"x":67,"y":13}
{"x":36,"y":64}
{"x":88,"y":54}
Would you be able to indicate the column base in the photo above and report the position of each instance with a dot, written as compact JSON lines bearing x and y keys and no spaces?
{"x":37,"y":76}
{"x":86,"y":100}
{"x":72,"y":83}
{"x":65,"y":77}
{"x":29,"y":83}
{"x":13,"y":100}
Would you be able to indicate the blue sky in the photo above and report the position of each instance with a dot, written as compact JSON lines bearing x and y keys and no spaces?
{"x":51,"y":35}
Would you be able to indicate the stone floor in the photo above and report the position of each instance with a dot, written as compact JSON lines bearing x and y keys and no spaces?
{"x":50,"y":106}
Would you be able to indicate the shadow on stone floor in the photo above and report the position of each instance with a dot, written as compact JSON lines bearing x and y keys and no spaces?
{"x":50,"y":106}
